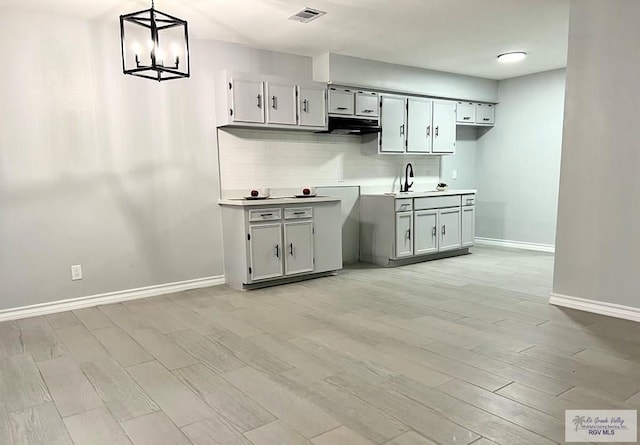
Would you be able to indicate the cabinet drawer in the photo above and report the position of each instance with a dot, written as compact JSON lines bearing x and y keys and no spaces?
{"x":468,"y":200}
{"x":485,"y":113}
{"x":466,"y":112}
{"x":437,"y":202}
{"x":404,"y":205}
{"x":265,"y":214}
{"x":298,"y":212}
{"x":367,"y":104}
{"x":340,"y":101}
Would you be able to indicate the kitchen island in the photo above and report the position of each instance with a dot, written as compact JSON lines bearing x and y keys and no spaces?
{"x":280,"y":240}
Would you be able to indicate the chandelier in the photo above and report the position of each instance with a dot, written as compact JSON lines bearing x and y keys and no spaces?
{"x":155,"y":45}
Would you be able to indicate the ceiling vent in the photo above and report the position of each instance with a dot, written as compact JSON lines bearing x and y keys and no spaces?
{"x":307,"y":15}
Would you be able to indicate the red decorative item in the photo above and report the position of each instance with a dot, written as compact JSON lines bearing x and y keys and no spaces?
{"x":254,"y":193}
{"x":306,"y":192}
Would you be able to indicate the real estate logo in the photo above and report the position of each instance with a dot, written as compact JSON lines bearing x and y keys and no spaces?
{"x":583,"y":425}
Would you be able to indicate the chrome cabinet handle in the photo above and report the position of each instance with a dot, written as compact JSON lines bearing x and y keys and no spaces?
{"x":433,"y":232}
{"x":259,"y":100}
{"x":291,"y":249}
{"x":299,"y":213}
{"x":428,"y":130}
{"x":437,"y":128}
{"x":466,"y":118}
{"x":274,"y":102}
{"x":402,"y":130}
{"x":264,"y":215}
{"x":342,"y":108}
{"x":486,"y":119}
{"x":367,"y":111}
{"x":305,"y":106}
{"x":444,"y":229}
{"x":408,"y":234}
{"x":277,"y":251}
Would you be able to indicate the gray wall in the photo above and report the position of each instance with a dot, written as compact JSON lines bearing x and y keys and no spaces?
{"x":463,"y":161}
{"x":518,"y":161}
{"x":349,"y":70}
{"x":598,"y":241}
{"x":116,"y":173}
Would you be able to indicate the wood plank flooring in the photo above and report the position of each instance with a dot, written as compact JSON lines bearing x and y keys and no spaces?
{"x":464,"y":350}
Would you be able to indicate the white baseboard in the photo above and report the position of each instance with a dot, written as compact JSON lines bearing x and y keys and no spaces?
{"x":596,"y":307}
{"x":550,"y":248}
{"x":107,"y":298}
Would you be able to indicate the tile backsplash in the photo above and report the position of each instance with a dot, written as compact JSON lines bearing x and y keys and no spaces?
{"x":287,"y":161}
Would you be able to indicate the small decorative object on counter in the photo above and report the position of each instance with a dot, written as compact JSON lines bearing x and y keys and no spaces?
{"x":441,"y":187}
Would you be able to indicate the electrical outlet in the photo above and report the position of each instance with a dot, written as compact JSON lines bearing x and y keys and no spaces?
{"x":454,"y":174}
{"x":340,"y":175}
{"x":76,"y":272}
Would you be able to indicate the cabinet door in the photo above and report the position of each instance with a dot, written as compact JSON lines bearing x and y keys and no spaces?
{"x":419,"y":125}
{"x":392,"y":121}
{"x":367,"y":104}
{"x":466,"y":112}
{"x":468,"y":225}
{"x":444,"y":127}
{"x":425,"y":232}
{"x":298,"y":243}
{"x":485,"y":114}
{"x":340,"y":101}
{"x":404,"y":234}
{"x":281,"y":103}
{"x":247,"y":100}
{"x":449,"y":220}
{"x":265,"y":248}
{"x":312,"y":106}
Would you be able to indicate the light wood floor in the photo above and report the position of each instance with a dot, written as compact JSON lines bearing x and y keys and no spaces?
{"x":457,"y":351}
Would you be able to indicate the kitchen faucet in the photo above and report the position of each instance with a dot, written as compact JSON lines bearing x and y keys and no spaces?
{"x":408,"y":173}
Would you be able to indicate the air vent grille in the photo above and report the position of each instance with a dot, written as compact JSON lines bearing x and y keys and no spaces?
{"x":307,"y":15}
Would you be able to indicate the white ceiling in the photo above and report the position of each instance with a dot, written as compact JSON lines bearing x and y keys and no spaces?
{"x":461,"y":36}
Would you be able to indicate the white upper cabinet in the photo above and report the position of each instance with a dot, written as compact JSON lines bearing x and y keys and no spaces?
{"x":367,"y":104}
{"x":393,"y":124}
{"x":281,"y":103}
{"x":247,"y":103}
{"x":341,"y":101}
{"x":466,"y":112}
{"x":444,"y":127}
{"x":263,"y":101}
{"x":485,"y":114}
{"x":419,"y":125}
{"x":472,"y":113}
{"x":312,"y":106}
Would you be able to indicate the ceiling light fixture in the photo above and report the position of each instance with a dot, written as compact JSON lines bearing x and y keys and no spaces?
{"x":155,"y":45}
{"x":512,"y":57}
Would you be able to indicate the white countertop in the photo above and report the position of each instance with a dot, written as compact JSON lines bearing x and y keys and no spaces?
{"x":448,"y":192}
{"x":274,"y":201}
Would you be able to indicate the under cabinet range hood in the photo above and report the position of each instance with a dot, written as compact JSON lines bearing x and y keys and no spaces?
{"x":353,"y":125}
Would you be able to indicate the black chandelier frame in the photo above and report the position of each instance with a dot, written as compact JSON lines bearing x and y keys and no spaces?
{"x":155,"y":21}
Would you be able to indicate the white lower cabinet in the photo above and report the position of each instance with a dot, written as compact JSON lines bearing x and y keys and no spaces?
{"x":394,"y":229}
{"x":264,"y":244}
{"x":265,"y":251}
{"x":426,"y":231}
{"x":298,"y":243}
{"x":404,"y":234}
{"x":468,"y":225}
{"x":449,"y":221}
